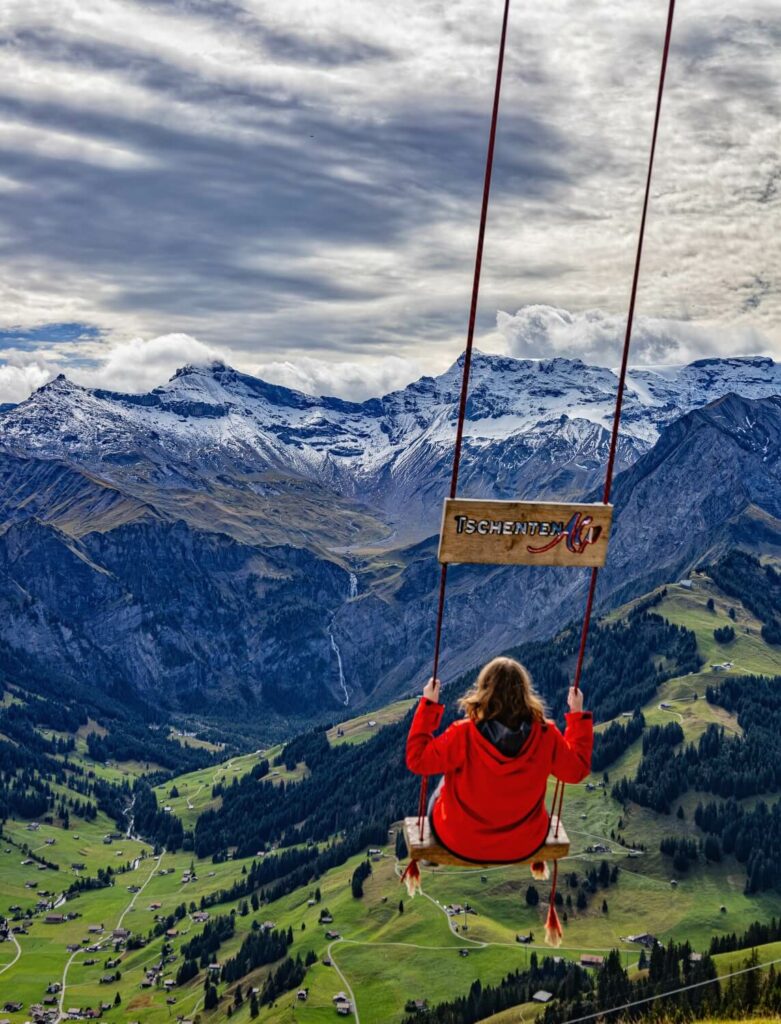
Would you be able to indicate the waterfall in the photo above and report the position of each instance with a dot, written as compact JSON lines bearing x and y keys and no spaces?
{"x":353,"y":585}
{"x":342,"y":680}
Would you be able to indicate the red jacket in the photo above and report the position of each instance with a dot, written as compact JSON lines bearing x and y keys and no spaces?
{"x":492,"y":807}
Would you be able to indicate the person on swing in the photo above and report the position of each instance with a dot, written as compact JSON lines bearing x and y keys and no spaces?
{"x":495,"y":761}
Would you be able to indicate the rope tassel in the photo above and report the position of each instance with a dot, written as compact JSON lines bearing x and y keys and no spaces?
{"x":539,"y":870}
{"x":411,"y":878}
{"x":553,"y":930}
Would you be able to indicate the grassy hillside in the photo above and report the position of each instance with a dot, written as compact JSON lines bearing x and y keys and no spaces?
{"x":383,"y":956}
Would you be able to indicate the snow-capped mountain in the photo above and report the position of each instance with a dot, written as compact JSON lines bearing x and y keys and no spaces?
{"x":534,"y":428}
{"x":225,"y":543}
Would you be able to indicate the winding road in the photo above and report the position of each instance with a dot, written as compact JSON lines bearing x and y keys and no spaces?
{"x":8,"y":966}
{"x":105,"y":942}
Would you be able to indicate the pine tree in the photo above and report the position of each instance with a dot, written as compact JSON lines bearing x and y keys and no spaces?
{"x":117,"y":999}
{"x":254,"y":1009}
{"x":401,"y":906}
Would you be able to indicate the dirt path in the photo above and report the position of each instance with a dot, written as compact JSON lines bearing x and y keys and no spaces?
{"x":8,"y":966}
{"x":105,"y":942}
{"x":343,"y":978}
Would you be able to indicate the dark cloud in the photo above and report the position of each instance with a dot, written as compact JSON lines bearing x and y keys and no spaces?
{"x":200,"y":222}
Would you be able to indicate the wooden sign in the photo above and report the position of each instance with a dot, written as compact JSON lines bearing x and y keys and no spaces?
{"x":524,"y":533}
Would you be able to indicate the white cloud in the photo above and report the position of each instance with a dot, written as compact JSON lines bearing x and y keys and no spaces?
{"x":18,"y":379}
{"x":351,"y":380}
{"x":538,"y":331}
{"x":137,"y":365}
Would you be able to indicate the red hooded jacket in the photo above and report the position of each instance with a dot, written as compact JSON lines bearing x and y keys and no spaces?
{"x":492,"y":807}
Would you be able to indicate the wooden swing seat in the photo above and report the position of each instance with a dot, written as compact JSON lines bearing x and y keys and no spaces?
{"x":426,"y":847}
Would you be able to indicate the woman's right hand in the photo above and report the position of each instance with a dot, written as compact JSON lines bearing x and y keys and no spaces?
{"x":431,"y":690}
{"x":575,"y":699}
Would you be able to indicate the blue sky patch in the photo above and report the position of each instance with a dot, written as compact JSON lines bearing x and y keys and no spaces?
{"x":57,"y":333}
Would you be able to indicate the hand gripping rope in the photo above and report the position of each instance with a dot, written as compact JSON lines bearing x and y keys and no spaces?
{"x":553,"y":928}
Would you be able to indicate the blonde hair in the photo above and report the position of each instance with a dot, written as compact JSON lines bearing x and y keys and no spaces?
{"x":503,"y":690}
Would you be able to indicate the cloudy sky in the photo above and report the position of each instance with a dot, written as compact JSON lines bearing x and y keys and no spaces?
{"x":294,"y":186}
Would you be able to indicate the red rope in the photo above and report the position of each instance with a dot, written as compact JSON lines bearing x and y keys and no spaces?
{"x":470,"y":336}
{"x":609,"y":469}
{"x":611,"y":459}
{"x":613,"y":448}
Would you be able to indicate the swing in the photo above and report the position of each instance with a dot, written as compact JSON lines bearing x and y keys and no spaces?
{"x":522,"y":533}
{"x":425,"y":846}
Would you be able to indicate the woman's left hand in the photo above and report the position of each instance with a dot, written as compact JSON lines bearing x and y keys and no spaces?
{"x":431,"y":690}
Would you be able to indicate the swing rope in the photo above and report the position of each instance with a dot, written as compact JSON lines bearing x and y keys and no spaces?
{"x":558,"y":794}
{"x":470,"y":337}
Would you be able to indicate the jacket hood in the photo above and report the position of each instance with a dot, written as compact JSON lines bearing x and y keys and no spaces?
{"x":507,"y":748}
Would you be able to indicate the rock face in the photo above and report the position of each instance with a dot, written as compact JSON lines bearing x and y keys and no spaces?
{"x":224,"y":543}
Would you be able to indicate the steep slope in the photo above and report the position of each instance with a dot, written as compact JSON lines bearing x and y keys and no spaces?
{"x":222,"y":536}
{"x":192,"y":620}
{"x":712,"y":481}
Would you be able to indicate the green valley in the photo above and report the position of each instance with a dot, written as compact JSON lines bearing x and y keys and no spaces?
{"x":156,"y":926}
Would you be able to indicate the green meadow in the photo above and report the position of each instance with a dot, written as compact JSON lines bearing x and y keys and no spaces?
{"x":386,"y":954}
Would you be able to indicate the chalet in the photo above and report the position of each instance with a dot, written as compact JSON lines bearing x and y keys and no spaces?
{"x":463,"y":952}
{"x":325,"y":917}
{"x":327,"y":961}
{"x":154,"y":906}
{"x":686,"y":584}
{"x":374,"y":851}
{"x":12,"y":1006}
{"x":95,"y":929}
{"x":311,"y":901}
{"x":332,"y":935}
{"x":665,"y":706}
{"x":108,"y":979}
{"x":53,"y":987}
{"x":171,"y":933}
{"x":372,"y":723}
{"x":598,"y":848}
{"x":695,"y":958}
{"x":78,"y":866}
{"x":213,"y":967}
{"x":169,"y":983}
{"x":344,"y":1009}
{"x":267,"y":926}
{"x":33,"y":826}
{"x":120,"y":933}
{"x":50,"y":842}
{"x":200,"y":916}
{"x":591,"y":960}
{"x":542,"y":996}
{"x":302,"y":995}
{"x":53,"y":919}
{"x":340,"y":997}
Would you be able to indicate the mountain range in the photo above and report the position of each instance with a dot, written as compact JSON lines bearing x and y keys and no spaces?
{"x":223,"y":545}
